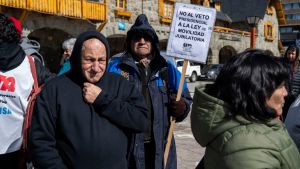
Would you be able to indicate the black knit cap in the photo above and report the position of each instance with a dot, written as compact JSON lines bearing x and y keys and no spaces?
{"x":75,"y":59}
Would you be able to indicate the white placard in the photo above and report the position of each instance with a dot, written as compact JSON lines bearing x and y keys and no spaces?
{"x":191,"y":30}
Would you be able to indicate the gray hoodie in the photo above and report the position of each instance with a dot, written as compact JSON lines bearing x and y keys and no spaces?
{"x":32,"y":47}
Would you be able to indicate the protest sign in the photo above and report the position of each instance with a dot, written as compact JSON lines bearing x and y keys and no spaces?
{"x":189,"y":39}
{"x":191,"y":30}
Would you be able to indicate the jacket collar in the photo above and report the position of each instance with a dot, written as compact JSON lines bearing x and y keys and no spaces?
{"x":156,"y":64}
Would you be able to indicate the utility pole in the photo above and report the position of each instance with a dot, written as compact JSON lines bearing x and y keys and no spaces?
{"x":142,"y":6}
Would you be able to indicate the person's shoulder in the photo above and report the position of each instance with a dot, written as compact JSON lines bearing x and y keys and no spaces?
{"x":114,"y":80}
{"x":255,"y":141}
{"x":293,"y":115}
{"x":114,"y":76}
{"x":115,"y":60}
{"x":113,"y":64}
{"x":56,"y":81}
{"x":253,"y":136}
{"x":31,"y":48}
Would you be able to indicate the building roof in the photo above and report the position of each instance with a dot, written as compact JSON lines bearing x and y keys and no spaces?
{"x":223,"y":17}
{"x":238,"y":10}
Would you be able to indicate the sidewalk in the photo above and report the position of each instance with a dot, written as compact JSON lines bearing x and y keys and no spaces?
{"x":189,"y":152}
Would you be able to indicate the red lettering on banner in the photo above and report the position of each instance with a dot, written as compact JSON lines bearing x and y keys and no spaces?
{"x":7,"y":83}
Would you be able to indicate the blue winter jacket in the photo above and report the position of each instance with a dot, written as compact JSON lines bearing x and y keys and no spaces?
{"x":159,"y":99}
{"x":65,"y":67}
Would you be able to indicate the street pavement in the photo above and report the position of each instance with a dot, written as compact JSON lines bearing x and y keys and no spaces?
{"x":189,"y":152}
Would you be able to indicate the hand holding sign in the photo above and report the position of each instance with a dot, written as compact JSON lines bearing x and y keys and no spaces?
{"x":189,"y":39}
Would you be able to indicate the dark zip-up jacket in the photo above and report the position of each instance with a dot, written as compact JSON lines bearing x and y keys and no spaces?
{"x":160,"y":101}
{"x":163,"y":81}
{"x":67,"y":132}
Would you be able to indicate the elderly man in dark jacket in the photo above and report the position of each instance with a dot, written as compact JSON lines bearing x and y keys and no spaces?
{"x":84,"y":118}
{"x":158,"y":80}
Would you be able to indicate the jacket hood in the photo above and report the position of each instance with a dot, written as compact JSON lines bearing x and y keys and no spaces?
{"x":75,"y":59}
{"x":32,"y":47}
{"x":142,"y":26}
{"x":209,"y":117}
{"x":11,"y":56}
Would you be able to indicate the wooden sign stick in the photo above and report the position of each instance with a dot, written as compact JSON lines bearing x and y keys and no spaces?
{"x":173,"y":119}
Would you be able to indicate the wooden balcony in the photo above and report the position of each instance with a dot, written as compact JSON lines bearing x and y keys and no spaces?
{"x":228,"y":30}
{"x":70,"y":8}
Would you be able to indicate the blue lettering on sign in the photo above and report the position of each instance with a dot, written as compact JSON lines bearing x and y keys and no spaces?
{"x":5,"y":111}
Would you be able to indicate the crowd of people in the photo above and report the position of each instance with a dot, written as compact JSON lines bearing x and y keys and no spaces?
{"x":114,"y":113}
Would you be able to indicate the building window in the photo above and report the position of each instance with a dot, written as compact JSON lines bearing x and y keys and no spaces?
{"x":287,"y":6}
{"x":292,"y":16}
{"x":100,"y":1}
{"x":166,"y":10}
{"x":296,"y":5}
{"x":282,"y":30}
{"x":120,"y":10}
{"x":288,"y":17}
{"x":291,"y":6}
{"x":269,"y":31}
{"x":287,"y":29}
{"x":121,"y":4}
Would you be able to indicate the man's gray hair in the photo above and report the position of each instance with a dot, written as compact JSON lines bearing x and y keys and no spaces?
{"x":69,"y":44}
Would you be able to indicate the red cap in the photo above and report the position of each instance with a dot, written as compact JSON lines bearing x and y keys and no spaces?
{"x":17,"y":24}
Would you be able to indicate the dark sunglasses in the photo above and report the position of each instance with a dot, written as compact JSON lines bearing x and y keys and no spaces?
{"x":139,"y":37}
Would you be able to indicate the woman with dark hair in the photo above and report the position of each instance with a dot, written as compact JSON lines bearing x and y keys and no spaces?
{"x":235,"y":118}
{"x":291,"y":61}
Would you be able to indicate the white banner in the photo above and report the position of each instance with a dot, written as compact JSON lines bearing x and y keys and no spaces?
{"x":15,"y":88}
{"x":191,"y":30}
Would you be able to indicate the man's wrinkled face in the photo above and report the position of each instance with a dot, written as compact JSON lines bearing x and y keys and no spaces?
{"x":93,"y":60}
{"x":141,"y":46}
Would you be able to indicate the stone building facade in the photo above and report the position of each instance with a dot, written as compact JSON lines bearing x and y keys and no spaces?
{"x":230,"y":36}
{"x":291,"y":31}
{"x":150,"y":8}
{"x":235,"y":37}
{"x":226,"y":40}
{"x":50,"y":31}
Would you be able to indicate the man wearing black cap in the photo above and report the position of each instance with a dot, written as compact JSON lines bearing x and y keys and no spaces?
{"x":158,"y":80}
{"x":84,"y":118}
